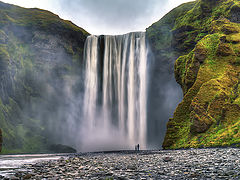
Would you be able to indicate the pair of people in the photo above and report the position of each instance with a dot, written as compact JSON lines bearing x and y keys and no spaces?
{"x":137,"y":147}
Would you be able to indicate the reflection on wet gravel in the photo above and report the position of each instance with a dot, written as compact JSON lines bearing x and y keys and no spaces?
{"x":10,"y":163}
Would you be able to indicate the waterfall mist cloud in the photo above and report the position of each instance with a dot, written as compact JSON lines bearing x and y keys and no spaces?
{"x":106,"y":16}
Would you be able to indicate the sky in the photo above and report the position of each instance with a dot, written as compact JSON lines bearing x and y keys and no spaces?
{"x":106,"y":16}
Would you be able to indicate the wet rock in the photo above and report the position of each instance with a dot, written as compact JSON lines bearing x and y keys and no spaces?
{"x":224,"y":50}
{"x":180,"y":36}
{"x":27,"y":176}
{"x":229,"y":29}
{"x":132,"y":167}
{"x":235,"y":14}
{"x":187,"y":164}
{"x":13,"y":178}
{"x":18,"y":174}
{"x":59,"y":148}
{"x":200,"y":54}
{"x":167,"y":159}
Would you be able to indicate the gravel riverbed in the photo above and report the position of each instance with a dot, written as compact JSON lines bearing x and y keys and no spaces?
{"x":222,"y":163}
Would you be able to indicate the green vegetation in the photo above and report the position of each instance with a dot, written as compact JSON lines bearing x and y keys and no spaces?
{"x":162,"y":38}
{"x":34,"y":45}
{"x":206,"y":40}
{"x":36,"y":19}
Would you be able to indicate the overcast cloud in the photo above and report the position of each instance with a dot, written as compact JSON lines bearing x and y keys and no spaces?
{"x":106,"y":16}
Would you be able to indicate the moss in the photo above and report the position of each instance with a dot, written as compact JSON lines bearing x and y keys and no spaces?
{"x":159,"y":34}
{"x":180,"y":69}
{"x":204,"y":12}
{"x":36,"y":18}
{"x":209,"y":114}
{"x":38,"y":50}
{"x":234,"y":38}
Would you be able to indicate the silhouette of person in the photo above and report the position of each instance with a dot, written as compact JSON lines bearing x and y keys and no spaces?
{"x":138,"y":147}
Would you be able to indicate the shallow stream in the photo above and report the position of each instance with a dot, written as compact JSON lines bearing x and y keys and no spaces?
{"x":9,"y":164}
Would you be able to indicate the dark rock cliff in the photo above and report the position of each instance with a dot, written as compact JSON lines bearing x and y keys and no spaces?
{"x":0,"y":140}
{"x":39,"y":52}
{"x":161,"y":102}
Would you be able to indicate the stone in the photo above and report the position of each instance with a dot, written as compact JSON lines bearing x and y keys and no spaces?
{"x":224,"y":50}
{"x":200,"y":54}
{"x":187,"y":164}
{"x":235,"y":14}
{"x":228,"y":29}
{"x":167,"y":159}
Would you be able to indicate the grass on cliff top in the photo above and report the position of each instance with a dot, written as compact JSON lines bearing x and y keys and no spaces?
{"x":199,"y":19}
{"x":169,"y":18}
{"x":42,"y":19}
{"x":160,"y":32}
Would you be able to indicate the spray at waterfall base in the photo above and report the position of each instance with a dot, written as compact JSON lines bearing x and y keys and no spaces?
{"x":115,"y":95}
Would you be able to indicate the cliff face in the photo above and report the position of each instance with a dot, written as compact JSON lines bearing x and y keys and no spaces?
{"x":162,"y":82}
{"x":0,"y":140}
{"x":207,"y":39}
{"x":39,"y":52}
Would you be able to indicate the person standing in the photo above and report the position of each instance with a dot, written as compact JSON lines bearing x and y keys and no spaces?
{"x":138,"y":147}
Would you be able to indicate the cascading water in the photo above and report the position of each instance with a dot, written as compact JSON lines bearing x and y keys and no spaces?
{"x":115,"y":96}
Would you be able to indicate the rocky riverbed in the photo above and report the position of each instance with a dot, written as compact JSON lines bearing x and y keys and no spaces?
{"x":177,"y":164}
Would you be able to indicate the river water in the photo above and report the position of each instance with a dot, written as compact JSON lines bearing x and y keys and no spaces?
{"x":9,"y":164}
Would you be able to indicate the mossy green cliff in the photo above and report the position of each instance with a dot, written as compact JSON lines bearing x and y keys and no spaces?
{"x":38,"y":53}
{"x":206,"y":40}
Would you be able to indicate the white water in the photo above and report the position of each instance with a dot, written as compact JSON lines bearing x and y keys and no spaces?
{"x":10,"y":164}
{"x":115,"y":98}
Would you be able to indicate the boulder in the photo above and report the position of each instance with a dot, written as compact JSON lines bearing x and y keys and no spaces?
{"x":59,"y":148}
{"x":224,"y":50}
{"x":235,"y":14}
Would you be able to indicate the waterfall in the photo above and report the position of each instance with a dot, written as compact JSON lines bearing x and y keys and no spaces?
{"x":115,"y":95}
